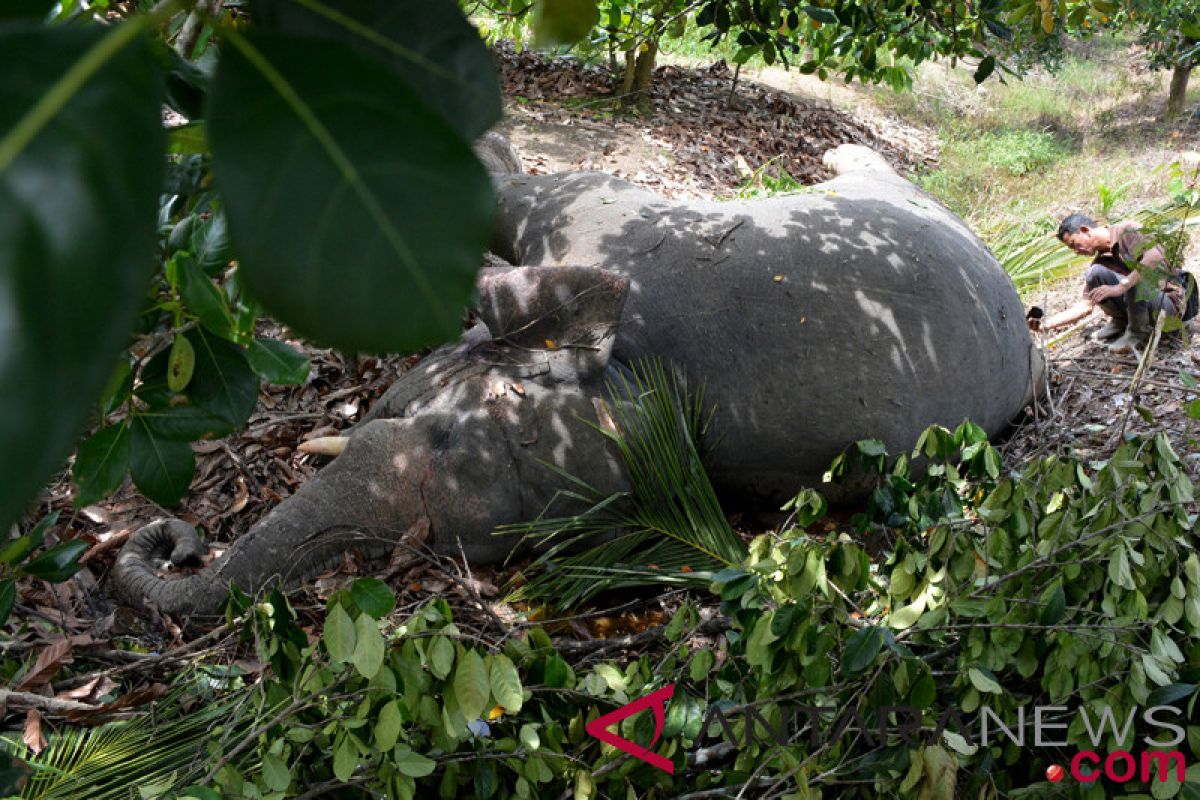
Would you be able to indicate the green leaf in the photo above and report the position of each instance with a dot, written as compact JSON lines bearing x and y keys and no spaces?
{"x":471,"y":685}
{"x":368,"y":647}
{"x":528,"y":736}
{"x":345,"y":757}
{"x":275,"y":772}
{"x":277,"y":362}
{"x":1118,"y":568}
{"x":58,"y":563}
{"x":182,"y":423}
{"x":924,"y":692}
{"x":118,"y":388}
{"x":101,"y":464}
{"x":17,"y":548}
{"x":8,"y":596}
{"x":339,"y":634}
{"x":208,"y":241}
{"x":558,"y":22}
{"x":1054,"y":606}
{"x":1190,"y":29}
{"x":223,"y":384}
{"x":861,"y":649}
{"x":506,"y":683}
{"x":186,"y":140}
{"x":202,"y":297}
{"x":162,"y":469}
{"x":369,"y":170}
{"x":441,"y":657}
{"x":413,"y":764}
{"x":1169,"y":695}
{"x":984,"y":681}
{"x":985,"y":68}
{"x":373,"y":597}
{"x":82,"y":146}
{"x":427,"y":43}
{"x":822,"y":15}
{"x":388,"y":726}
{"x":180,"y":364}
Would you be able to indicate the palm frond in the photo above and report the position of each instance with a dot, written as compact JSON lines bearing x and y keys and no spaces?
{"x":112,"y":761}
{"x":668,"y":528}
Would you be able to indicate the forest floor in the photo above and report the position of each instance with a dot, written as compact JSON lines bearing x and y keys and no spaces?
{"x":699,"y":140}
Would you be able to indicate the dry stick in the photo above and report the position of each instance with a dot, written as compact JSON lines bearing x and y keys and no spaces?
{"x":240,"y":463}
{"x":1097,"y":374}
{"x":594,"y":646}
{"x":1140,"y":374}
{"x":1069,"y":332}
{"x":52,"y":704}
{"x":192,"y":648}
{"x":320,"y":789}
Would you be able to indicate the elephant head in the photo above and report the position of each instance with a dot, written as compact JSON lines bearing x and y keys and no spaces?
{"x":459,"y":445}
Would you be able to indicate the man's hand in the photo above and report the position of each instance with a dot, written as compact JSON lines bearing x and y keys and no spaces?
{"x":1175,"y":293}
{"x":1102,"y":293}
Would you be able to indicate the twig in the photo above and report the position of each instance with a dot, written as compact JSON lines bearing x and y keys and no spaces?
{"x":53,"y":704}
{"x":238,"y":461}
{"x":188,"y":650}
{"x":1140,"y":374}
{"x":320,"y":789}
{"x":1069,"y":332}
{"x":1097,"y":374}
{"x":593,"y":646}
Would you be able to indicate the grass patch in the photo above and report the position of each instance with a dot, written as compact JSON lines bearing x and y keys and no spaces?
{"x":1019,"y":154}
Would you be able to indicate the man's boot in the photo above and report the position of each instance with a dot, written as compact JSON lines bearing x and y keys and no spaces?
{"x":1116,"y":322}
{"x":1137,"y":333}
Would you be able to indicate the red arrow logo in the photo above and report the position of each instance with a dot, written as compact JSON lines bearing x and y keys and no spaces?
{"x":656,"y":700}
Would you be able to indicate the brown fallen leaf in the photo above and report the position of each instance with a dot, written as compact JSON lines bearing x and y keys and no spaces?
{"x":138,"y":697}
{"x":88,"y":692}
{"x":32,"y":737}
{"x":48,"y":662}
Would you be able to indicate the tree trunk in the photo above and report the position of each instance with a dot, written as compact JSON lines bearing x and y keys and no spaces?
{"x":643,"y":74}
{"x":628,"y":78}
{"x":1179,"y":87}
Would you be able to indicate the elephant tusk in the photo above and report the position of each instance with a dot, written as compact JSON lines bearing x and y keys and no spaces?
{"x":324,"y":445}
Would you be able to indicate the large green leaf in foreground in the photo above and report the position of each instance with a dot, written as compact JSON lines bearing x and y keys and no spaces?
{"x":428,"y":43}
{"x":359,"y":214}
{"x":81,"y":147}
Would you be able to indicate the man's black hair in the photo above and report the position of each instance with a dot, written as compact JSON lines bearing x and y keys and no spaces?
{"x":1073,"y":223}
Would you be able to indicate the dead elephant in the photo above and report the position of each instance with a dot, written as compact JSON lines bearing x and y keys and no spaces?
{"x":859,"y":309}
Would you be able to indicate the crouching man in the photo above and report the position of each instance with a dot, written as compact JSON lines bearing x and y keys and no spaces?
{"x":1118,"y":252}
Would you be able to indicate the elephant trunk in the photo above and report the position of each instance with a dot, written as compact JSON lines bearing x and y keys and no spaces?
{"x":165,"y":540}
{"x":365,"y":501}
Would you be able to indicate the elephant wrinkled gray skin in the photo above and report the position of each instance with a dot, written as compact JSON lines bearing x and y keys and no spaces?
{"x":860,"y":308}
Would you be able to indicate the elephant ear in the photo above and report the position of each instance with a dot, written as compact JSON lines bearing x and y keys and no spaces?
{"x":571,"y":312}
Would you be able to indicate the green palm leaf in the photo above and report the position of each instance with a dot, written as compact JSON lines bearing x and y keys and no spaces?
{"x":669,"y":528}
{"x":163,"y":751}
